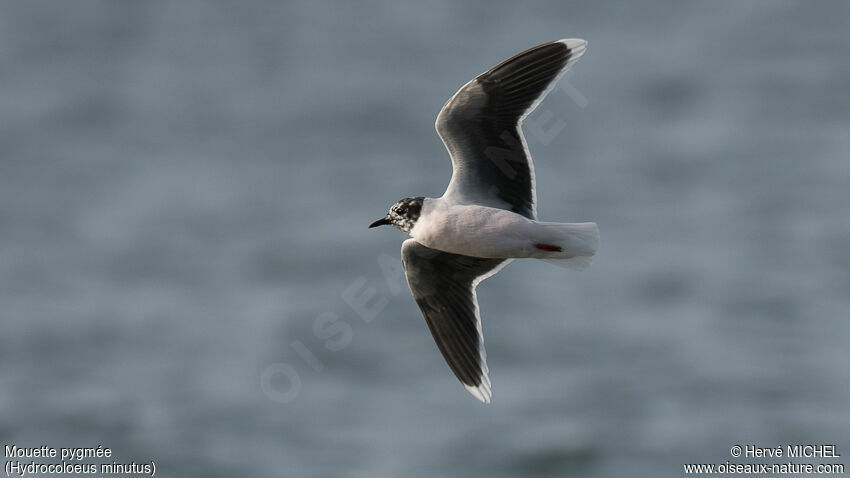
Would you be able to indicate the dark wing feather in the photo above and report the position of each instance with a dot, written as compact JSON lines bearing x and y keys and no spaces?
{"x":481,"y":127}
{"x":443,"y":285}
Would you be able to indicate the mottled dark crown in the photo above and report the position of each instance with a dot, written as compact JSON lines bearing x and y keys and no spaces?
{"x":405,"y":213}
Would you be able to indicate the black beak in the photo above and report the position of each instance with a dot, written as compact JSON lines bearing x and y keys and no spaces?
{"x":379,"y":222}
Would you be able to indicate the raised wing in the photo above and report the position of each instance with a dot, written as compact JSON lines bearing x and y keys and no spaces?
{"x":443,"y":285}
{"x":481,"y":126}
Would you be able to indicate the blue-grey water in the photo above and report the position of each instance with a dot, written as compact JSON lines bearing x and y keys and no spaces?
{"x":185,"y":189}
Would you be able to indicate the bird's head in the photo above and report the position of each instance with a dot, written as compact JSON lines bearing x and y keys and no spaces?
{"x":403,"y":215}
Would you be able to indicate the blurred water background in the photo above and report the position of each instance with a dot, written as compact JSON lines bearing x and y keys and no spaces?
{"x":185,"y":188}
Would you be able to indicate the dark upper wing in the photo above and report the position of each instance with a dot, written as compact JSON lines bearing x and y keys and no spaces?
{"x":443,"y":285}
{"x":481,"y":127}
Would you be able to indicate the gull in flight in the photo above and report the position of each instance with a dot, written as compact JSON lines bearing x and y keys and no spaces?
{"x":487,"y":216}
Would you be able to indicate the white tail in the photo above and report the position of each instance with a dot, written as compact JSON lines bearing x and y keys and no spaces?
{"x":577,"y":243}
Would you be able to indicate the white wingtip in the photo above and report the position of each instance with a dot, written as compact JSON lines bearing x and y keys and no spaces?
{"x":481,"y":392}
{"x":577,"y":47}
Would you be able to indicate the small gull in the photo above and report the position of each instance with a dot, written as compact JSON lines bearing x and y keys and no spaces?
{"x":487,"y":216}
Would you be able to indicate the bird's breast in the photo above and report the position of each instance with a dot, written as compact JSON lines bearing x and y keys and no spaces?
{"x":471,"y":230}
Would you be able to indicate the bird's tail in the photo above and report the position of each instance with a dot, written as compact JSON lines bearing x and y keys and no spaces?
{"x":569,"y":245}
